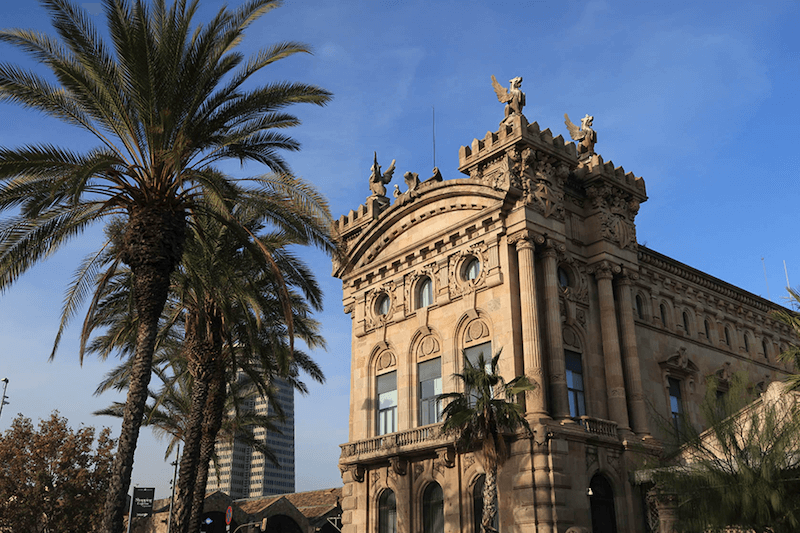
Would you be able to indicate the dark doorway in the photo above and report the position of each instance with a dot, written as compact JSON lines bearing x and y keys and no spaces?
{"x":281,"y":523}
{"x":601,"y":500}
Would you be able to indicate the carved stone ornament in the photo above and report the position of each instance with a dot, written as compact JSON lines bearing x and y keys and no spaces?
{"x":376,"y":477}
{"x":457,"y":262}
{"x":475,"y":330}
{"x":591,"y":457}
{"x":615,"y":212}
{"x":418,"y":470}
{"x":446,"y":456}
{"x":399,"y":465}
{"x":578,"y":290}
{"x":428,"y":346}
{"x":373,"y":318}
{"x":513,"y":97}
{"x":469,"y":460}
{"x":378,"y":180}
{"x":584,"y":134}
{"x":357,"y":471}
{"x":385,"y":360}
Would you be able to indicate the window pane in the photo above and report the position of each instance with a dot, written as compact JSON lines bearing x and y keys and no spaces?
{"x":430,"y":386}
{"x":473,"y":352}
{"x":425,"y":297}
{"x":575,"y":389}
{"x":387,"y":513}
{"x":473,"y":269}
{"x":387,"y":403}
{"x":433,"y":509}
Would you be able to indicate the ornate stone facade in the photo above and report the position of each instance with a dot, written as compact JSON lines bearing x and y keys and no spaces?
{"x":533,"y":252}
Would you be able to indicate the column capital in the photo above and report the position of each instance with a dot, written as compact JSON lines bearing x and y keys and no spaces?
{"x":627,"y":277}
{"x":525,"y":239}
{"x":604,"y":270}
{"x":552,"y":248}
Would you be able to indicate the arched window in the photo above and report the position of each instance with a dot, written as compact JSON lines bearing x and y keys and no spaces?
{"x":601,"y":502}
{"x":708,"y":330}
{"x":387,"y":512}
{"x":639,"y":307}
{"x":424,"y":293}
{"x":686,"y":324}
{"x":472,"y":269}
{"x":477,"y":506}
{"x":764,"y":348}
{"x":663,"y":309}
{"x":387,"y":403}
{"x":430,"y":387}
{"x":727,"y":336}
{"x":746,"y":343}
{"x":433,"y":509}
{"x":563,"y":278}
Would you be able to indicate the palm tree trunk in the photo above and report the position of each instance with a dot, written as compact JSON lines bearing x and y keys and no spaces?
{"x":152,"y":244}
{"x":201,"y":368}
{"x":489,"y":500}
{"x":212,"y":423}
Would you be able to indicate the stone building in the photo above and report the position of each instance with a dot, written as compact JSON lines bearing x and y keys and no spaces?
{"x":533,"y":252}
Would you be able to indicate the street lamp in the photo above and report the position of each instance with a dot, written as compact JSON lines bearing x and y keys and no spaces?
{"x":3,"y":401}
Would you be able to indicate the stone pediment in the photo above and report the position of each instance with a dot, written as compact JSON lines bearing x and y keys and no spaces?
{"x":434,"y":215}
{"x":679,"y":364}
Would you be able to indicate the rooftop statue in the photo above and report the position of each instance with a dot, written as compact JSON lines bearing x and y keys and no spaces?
{"x":378,"y":181}
{"x":513,"y":97}
{"x":585,"y":135}
{"x":412,"y":180}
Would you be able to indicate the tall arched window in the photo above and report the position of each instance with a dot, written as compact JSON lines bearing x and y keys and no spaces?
{"x":746,"y":343}
{"x":433,"y":509}
{"x":601,"y":501}
{"x":764,"y":348}
{"x":477,"y":506}
{"x":663,"y":309}
{"x":424,"y":293}
{"x":387,"y":512}
{"x":708,"y":330}
{"x":686,"y":323}
{"x":639,"y":307}
{"x":727,"y":336}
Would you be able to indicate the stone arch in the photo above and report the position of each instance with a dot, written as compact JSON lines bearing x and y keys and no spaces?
{"x":665,"y":311}
{"x":641,"y":306}
{"x":472,"y":329}
{"x":382,"y":359}
{"x":687,"y":322}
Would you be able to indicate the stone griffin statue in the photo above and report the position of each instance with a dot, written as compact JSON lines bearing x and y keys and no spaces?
{"x":378,"y":181}
{"x":585,"y":135}
{"x":513,"y":97}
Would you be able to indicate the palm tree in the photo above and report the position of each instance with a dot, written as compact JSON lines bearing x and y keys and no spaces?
{"x":230,"y":320}
{"x":165,"y":101}
{"x":792,"y":353}
{"x":481,"y":415}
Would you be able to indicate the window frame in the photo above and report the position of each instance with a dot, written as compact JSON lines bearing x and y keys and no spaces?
{"x":424,"y":402}
{"x":380,"y":419}
{"x":576,"y":396}
{"x":424,"y":288}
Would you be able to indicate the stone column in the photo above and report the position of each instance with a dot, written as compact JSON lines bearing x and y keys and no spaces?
{"x":531,"y":342}
{"x":631,"y":354}
{"x":615,"y":381}
{"x":557,"y":371}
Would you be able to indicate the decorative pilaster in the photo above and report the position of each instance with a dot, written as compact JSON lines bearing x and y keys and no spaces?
{"x":531,"y":341}
{"x":631,"y":354}
{"x":615,"y":381}
{"x":557,"y":371}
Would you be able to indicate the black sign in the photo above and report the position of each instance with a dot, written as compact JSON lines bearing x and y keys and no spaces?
{"x":143,"y":501}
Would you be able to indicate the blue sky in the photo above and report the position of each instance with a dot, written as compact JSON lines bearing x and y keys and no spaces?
{"x":699,"y":98}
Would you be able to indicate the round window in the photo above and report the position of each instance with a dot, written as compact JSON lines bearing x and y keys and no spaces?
{"x":472,"y":268}
{"x":563,"y":278}
{"x":382,"y":304}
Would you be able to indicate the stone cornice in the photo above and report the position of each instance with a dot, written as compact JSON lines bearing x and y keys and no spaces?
{"x":697,"y":277}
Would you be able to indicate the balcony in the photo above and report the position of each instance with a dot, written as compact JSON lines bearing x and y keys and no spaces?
{"x":598,"y":426}
{"x":402,"y":442}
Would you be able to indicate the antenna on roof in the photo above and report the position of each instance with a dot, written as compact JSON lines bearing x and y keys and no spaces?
{"x":788,"y":286}
{"x":433,"y":126}
{"x":763,"y":264}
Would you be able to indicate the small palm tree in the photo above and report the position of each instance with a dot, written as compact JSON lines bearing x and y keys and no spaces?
{"x":481,"y":415}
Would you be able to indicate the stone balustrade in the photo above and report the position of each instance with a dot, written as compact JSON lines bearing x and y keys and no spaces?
{"x":598,"y":426}
{"x":394,"y":443}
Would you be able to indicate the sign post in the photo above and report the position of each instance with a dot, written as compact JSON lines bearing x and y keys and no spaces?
{"x":228,"y":518}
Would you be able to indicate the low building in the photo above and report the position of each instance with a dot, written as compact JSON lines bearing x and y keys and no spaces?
{"x":534,"y":251}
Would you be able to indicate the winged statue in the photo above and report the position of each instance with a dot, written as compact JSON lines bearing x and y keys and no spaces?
{"x":513,"y":97}
{"x":412,"y":180}
{"x":584,"y":134}
{"x":378,"y":181}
